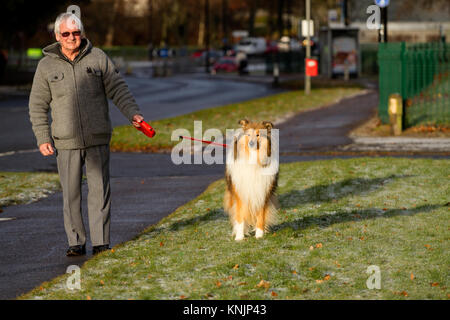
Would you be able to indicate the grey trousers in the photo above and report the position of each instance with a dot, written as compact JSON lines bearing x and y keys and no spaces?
{"x":70,"y":169}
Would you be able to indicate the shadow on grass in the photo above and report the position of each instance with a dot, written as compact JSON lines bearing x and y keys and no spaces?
{"x":334,"y":191}
{"x":318,"y":194}
{"x":327,"y":220}
{"x":214,"y":214}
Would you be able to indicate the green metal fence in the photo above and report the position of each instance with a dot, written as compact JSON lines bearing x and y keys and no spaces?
{"x":420,"y":73}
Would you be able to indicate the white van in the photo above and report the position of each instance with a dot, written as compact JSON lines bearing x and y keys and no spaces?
{"x":252,"y":45}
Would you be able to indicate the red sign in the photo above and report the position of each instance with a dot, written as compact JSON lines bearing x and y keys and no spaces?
{"x":311,"y":67}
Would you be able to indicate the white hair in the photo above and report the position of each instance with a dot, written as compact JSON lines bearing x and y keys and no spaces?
{"x":71,"y":17}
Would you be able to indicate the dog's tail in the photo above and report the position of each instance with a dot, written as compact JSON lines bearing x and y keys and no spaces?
{"x":271,"y":217}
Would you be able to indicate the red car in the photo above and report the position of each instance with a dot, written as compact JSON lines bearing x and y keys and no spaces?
{"x":226,"y":64}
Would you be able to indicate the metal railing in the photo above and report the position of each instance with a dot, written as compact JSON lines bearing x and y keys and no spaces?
{"x":420,"y":73}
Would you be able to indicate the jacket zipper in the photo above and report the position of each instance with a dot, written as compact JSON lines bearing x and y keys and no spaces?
{"x":78,"y":106}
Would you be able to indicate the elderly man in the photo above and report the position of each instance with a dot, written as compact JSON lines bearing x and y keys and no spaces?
{"x":73,"y":81}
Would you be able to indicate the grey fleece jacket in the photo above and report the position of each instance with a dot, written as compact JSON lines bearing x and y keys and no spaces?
{"x":76,"y":93}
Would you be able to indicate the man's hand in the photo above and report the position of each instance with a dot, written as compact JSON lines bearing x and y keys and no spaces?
{"x":46,"y":149}
{"x":137,"y":119}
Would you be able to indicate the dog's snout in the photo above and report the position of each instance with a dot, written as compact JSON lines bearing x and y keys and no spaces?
{"x":251,"y":144}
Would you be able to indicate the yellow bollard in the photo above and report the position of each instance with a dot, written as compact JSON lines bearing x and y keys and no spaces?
{"x":395,"y":111}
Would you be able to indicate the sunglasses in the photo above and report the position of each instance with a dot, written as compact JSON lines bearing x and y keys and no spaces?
{"x":74,"y":33}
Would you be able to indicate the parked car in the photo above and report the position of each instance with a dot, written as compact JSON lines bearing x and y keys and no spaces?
{"x":252,"y":45}
{"x":225,"y":64}
{"x":289,"y":44}
{"x":199,"y":56}
{"x":271,"y":47}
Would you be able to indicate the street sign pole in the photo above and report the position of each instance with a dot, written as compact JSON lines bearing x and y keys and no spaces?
{"x":384,"y":12}
{"x":382,"y":32}
{"x":308,"y":46}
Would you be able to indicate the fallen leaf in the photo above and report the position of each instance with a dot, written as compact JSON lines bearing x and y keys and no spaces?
{"x":412,"y":276}
{"x":112,"y":250}
{"x":236,"y":267}
{"x":435,"y":284}
{"x":88,"y":298}
{"x":319,"y":245}
{"x":264,"y":284}
{"x":404,"y":293}
{"x":182,"y":297}
{"x":242,"y":283}
{"x":311,"y":248}
{"x":294,"y":272}
{"x":319,"y":281}
{"x":327,"y":277}
{"x":274,"y":294}
{"x":362,"y":238}
{"x":102,"y":282}
{"x":161,"y":244}
{"x":311,"y":269}
{"x":218,"y":284}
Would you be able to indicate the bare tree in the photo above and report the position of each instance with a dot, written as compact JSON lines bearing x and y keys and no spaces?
{"x":111,"y":26}
{"x":252,"y":8}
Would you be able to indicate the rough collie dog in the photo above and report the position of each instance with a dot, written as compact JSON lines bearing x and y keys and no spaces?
{"x":252,"y":176}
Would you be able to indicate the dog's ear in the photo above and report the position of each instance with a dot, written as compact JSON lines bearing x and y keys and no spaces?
{"x":243,"y":122}
{"x":268,"y":125}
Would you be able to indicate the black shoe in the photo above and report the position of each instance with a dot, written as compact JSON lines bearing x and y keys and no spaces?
{"x":98,"y":249}
{"x":75,"y":251}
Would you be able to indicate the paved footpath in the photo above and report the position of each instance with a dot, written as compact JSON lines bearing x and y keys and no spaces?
{"x":145,"y":188}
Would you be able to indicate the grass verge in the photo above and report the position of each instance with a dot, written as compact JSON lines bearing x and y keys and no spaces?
{"x":337,"y":218}
{"x":24,"y":187}
{"x":272,"y":108}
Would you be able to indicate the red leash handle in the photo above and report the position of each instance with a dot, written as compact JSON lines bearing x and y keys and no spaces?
{"x":146,"y":129}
